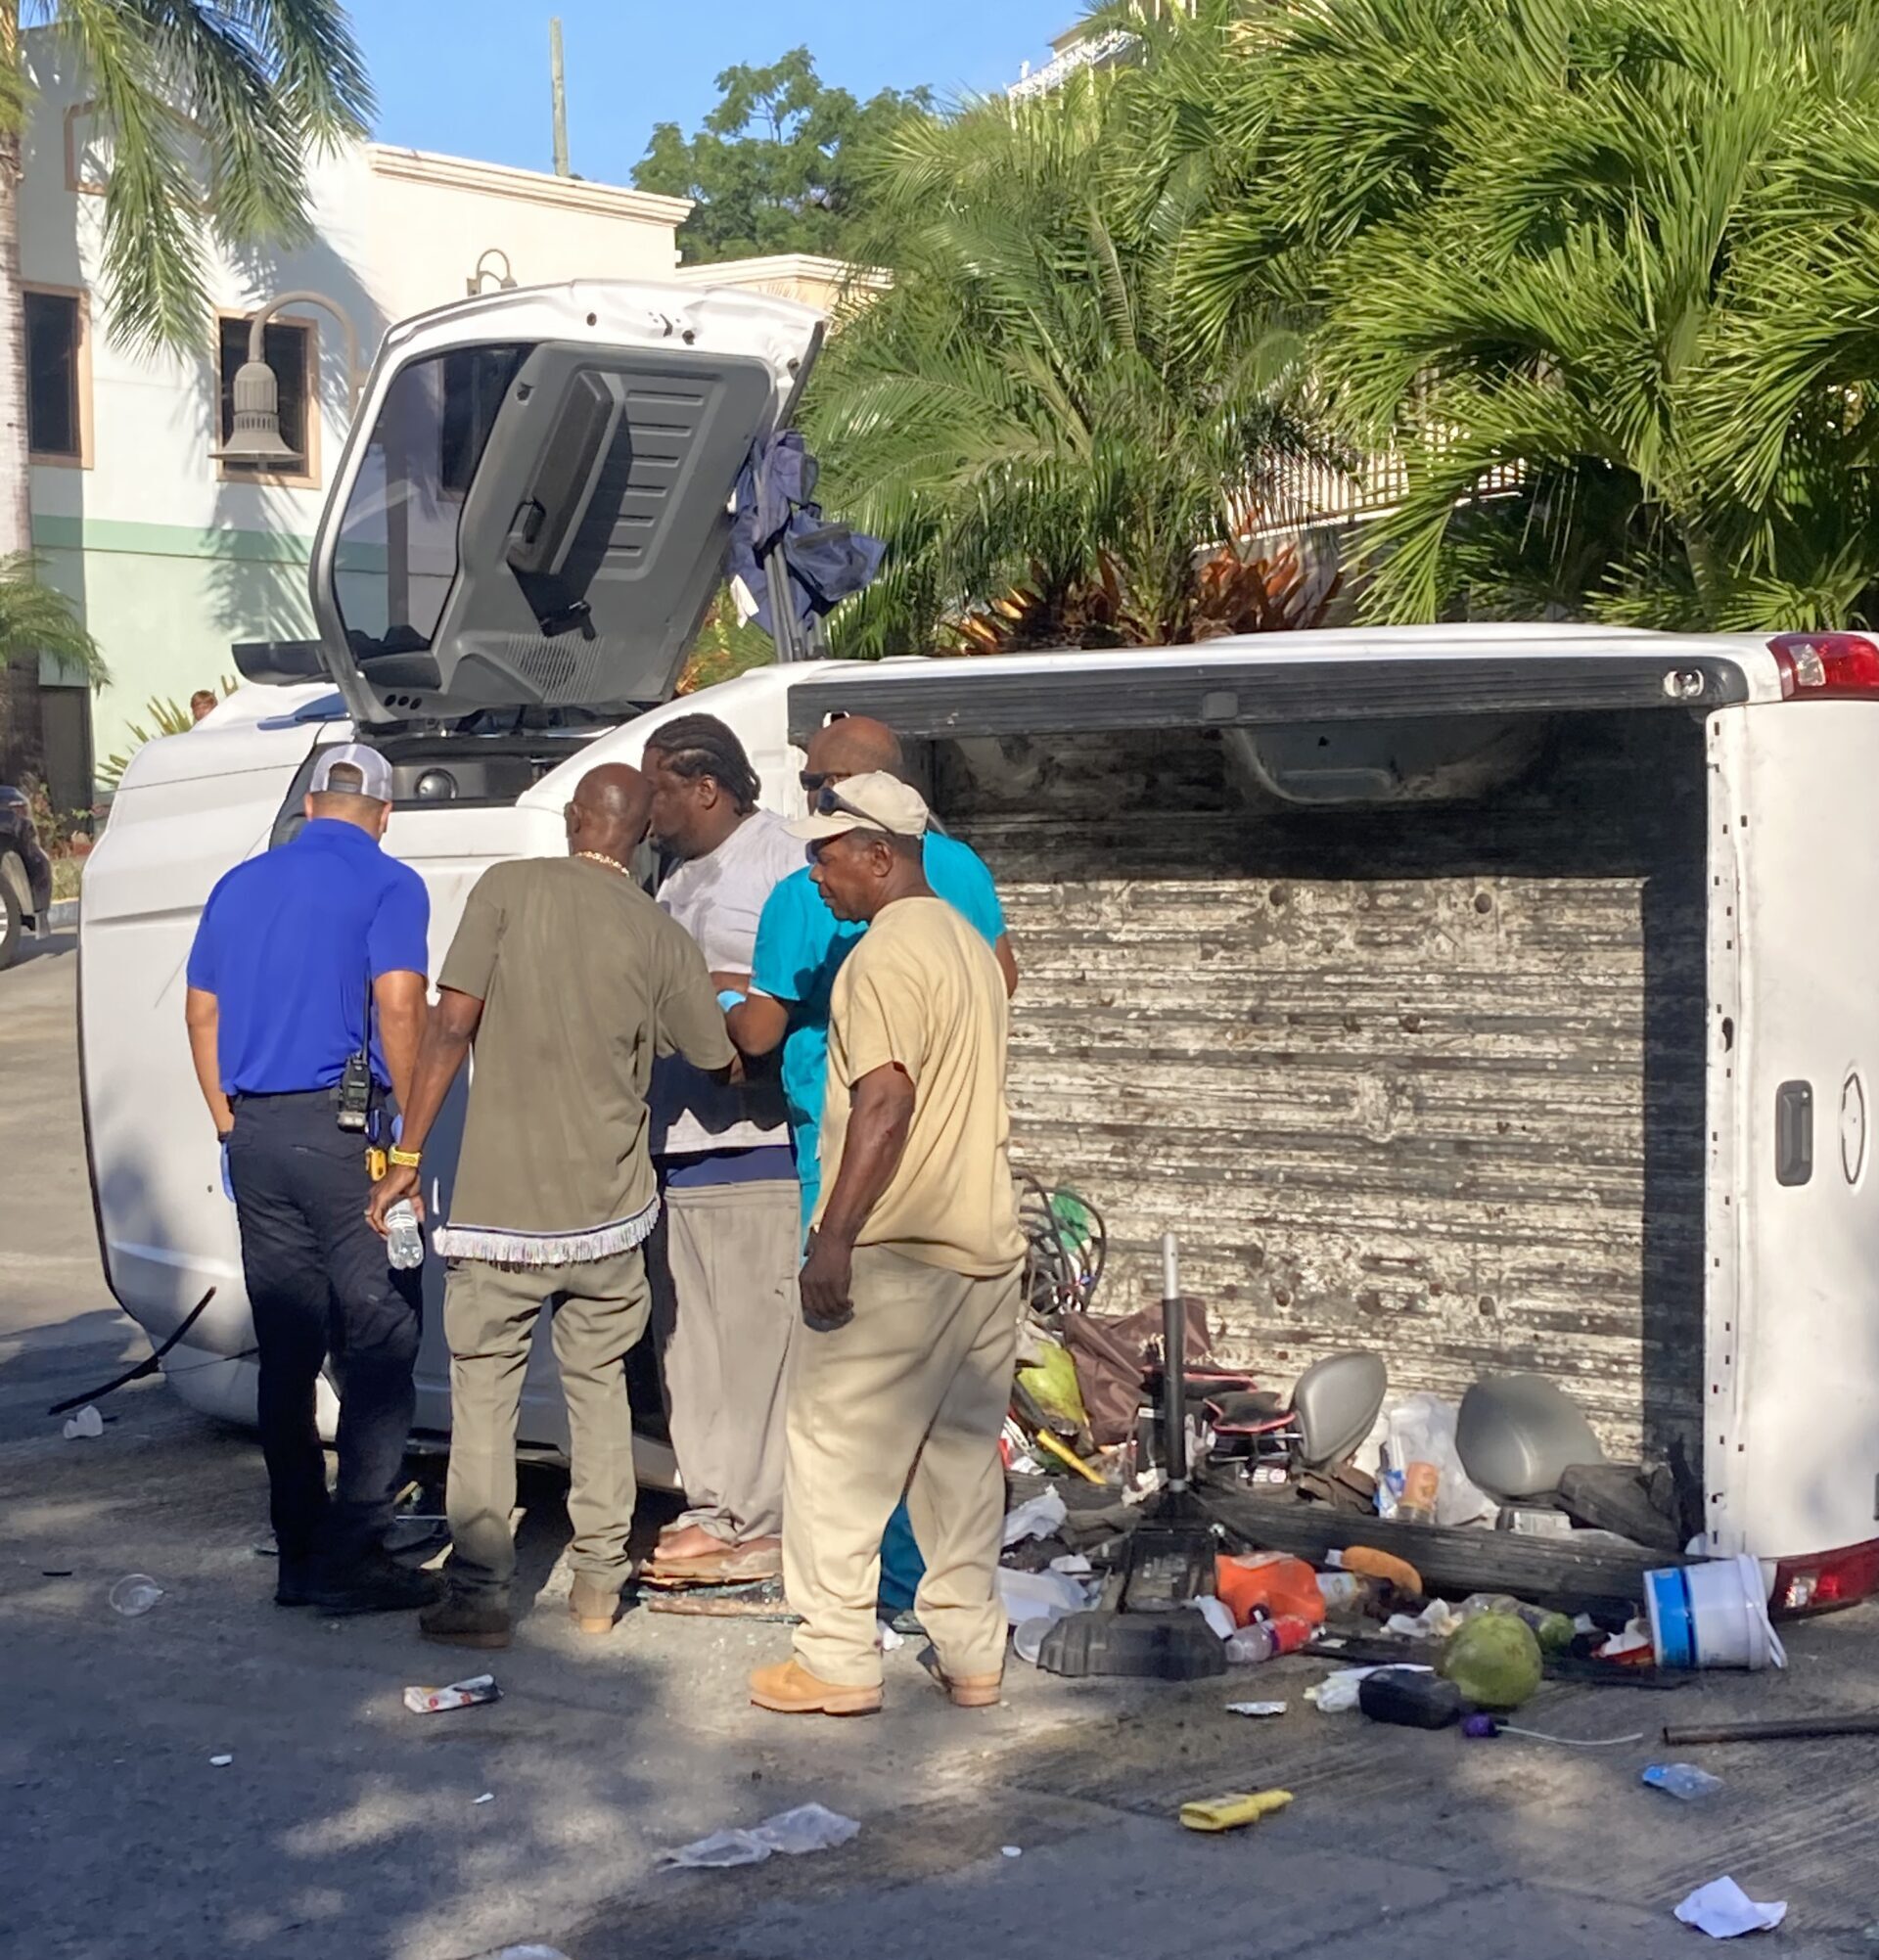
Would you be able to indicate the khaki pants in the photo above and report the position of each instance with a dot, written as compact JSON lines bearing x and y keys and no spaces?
{"x":725,"y":1304}
{"x":490,"y":1315}
{"x":913,"y":1385}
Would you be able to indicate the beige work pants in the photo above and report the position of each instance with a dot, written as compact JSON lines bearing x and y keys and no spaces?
{"x":913,"y":1385}
{"x":725,"y":1304}
{"x":489,"y":1312}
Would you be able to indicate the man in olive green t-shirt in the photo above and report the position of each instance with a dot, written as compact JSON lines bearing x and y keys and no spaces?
{"x":910,"y":1290}
{"x":569,"y":980}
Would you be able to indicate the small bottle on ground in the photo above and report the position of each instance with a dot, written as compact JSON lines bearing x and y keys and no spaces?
{"x":1266,"y":1639}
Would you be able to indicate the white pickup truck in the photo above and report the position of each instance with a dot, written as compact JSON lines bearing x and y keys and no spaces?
{"x":1495,"y":996}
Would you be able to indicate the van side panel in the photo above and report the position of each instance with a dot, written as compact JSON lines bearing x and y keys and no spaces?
{"x":167,"y":1232}
{"x":1793,"y":1389}
{"x":1426,"y":1078}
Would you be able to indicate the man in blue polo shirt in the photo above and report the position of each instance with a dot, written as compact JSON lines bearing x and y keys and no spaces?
{"x":305,"y":958}
{"x":801,"y":945}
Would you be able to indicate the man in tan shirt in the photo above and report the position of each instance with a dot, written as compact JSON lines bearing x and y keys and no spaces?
{"x":910,"y":1291}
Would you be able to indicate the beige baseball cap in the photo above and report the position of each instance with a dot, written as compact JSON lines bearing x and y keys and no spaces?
{"x":876,"y":802}
{"x":374,"y":772}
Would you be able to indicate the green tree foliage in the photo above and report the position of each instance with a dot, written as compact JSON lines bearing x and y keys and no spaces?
{"x":1025,"y":416}
{"x":1622,"y":253}
{"x":211,"y":112}
{"x":776,"y":167}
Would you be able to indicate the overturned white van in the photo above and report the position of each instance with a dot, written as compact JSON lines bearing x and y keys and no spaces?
{"x":1496,"y":997}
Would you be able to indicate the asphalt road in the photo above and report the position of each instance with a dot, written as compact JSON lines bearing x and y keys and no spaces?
{"x":345,"y":1827}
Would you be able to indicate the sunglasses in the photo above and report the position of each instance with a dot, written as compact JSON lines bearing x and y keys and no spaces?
{"x":828,"y":804}
{"x":813,"y":780}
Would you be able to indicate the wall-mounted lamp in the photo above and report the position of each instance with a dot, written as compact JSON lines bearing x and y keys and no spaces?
{"x":256,"y":437}
{"x":505,"y":279}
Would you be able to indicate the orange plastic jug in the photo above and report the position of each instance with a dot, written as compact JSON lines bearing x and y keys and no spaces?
{"x":1269,"y":1582}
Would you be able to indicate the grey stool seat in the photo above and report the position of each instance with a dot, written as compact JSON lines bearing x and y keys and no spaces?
{"x":1336,"y":1402}
{"x":1517,"y":1434}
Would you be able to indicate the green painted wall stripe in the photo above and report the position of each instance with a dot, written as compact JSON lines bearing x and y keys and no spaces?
{"x":63,"y":533}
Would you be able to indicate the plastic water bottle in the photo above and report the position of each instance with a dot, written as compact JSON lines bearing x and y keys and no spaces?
{"x":403,"y":1241}
{"x":1266,"y":1639}
{"x":1683,"y":1780}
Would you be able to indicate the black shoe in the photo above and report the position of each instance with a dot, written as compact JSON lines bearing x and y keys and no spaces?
{"x":461,"y":1619}
{"x":293,"y":1582}
{"x":373,"y":1584}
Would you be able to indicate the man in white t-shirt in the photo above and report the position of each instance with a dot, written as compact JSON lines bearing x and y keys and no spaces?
{"x":725,"y":1290}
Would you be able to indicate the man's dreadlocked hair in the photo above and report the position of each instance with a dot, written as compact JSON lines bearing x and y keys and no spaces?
{"x":701,"y":744}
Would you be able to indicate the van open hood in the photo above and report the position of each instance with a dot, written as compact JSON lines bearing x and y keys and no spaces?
{"x":531,"y":507}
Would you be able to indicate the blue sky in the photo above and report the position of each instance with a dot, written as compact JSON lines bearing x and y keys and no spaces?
{"x":469,"y":78}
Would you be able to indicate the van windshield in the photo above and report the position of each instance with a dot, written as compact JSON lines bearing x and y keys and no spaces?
{"x":397,"y":557}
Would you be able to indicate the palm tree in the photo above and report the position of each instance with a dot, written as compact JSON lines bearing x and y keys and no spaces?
{"x":248,"y":87}
{"x":1602,"y":271}
{"x":1020,"y":415}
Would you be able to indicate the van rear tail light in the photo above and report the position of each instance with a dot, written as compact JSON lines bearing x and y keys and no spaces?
{"x":1826,"y":666}
{"x":1826,"y":1581}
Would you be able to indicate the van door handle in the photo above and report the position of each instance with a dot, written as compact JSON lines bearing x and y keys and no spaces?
{"x":1794,"y":1133}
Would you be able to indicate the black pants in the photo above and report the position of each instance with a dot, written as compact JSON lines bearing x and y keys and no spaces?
{"x":320,"y":1286}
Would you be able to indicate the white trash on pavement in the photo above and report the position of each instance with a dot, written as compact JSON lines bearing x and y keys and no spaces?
{"x":809,"y":1827}
{"x":1724,"y":1911}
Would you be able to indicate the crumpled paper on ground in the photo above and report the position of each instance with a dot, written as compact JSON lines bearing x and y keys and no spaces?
{"x":1724,"y":1911}
{"x":809,"y":1827}
{"x":1436,"y":1622}
{"x":1036,"y":1517}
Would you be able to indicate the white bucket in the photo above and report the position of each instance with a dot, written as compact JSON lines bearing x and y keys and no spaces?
{"x":1730,"y":1615}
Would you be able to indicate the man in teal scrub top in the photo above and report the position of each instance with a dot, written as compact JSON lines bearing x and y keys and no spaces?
{"x":801,"y":945}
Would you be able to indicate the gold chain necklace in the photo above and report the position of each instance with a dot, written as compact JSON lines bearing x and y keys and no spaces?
{"x":598,"y":857}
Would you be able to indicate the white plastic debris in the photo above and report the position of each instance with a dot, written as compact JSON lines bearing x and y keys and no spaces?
{"x":1255,"y":1708}
{"x":1036,"y":1517}
{"x":1724,"y":1911}
{"x":886,"y":1638}
{"x":1337,"y":1694}
{"x":86,"y":1423}
{"x":1039,"y":1595}
{"x":1011,"y":1851}
{"x":220,"y":1761}
{"x":134,"y":1594}
{"x":487,"y":1797}
{"x":1218,"y":1615}
{"x":1072,"y":1564}
{"x":809,"y":1827}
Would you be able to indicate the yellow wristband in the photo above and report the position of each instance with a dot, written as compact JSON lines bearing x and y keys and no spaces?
{"x":407,"y":1160}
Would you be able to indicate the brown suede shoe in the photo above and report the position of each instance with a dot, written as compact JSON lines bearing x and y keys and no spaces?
{"x":789,"y":1689}
{"x":460,"y":1620}
{"x":594,"y":1604}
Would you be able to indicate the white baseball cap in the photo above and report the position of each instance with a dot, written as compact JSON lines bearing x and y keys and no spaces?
{"x":875,"y":801}
{"x":374,"y":772}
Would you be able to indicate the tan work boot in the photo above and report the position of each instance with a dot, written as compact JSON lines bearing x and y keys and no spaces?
{"x":789,"y":1689}
{"x":594,"y":1604}
{"x":971,"y":1690}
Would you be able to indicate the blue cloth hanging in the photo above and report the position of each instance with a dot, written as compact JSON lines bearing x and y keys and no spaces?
{"x":775,"y":509}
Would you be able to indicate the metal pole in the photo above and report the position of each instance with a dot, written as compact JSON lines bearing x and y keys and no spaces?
{"x":559,"y":85}
{"x":1173,"y":1366}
